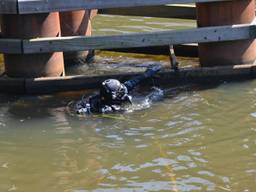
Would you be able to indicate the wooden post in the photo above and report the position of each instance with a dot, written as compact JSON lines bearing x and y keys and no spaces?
{"x":173,"y":59}
{"x":32,"y":26}
{"x":226,"y":13}
{"x":76,"y":23}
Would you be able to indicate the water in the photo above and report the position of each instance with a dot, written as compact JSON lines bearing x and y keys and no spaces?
{"x":197,"y":139}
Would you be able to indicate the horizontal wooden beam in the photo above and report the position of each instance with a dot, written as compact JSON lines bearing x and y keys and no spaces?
{"x":73,"y":83}
{"x":12,"y":85}
{"x":11,"y":46}
{"x":197,"y":35}
{"x":39,"y":6}
{"x":14,"y":46}
{"x":8,"y":6}
{"x":164,"y":11}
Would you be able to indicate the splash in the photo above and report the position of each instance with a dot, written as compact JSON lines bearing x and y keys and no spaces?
{"x":144,"y":102}
{"x":139,"y":102}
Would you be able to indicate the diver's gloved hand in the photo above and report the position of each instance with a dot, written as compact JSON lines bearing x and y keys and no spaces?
{"x":152,"y":70}
{"x":127,"y":99}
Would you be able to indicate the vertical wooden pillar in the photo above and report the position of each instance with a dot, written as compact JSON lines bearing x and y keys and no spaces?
{"x":226,"y":13}
{"x":32,"y":26}
{"x":76,"y":23}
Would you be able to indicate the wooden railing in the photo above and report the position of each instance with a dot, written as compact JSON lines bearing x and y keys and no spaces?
{"x":78,"y":43}
{"x":202,"y":35}
{"x":40,"y":6}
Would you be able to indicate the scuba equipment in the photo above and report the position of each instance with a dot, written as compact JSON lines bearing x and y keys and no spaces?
{"x":113,"y":94}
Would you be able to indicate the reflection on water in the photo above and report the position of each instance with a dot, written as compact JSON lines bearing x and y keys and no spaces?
{"x":193,"y":140}
{"x":196,"y":140}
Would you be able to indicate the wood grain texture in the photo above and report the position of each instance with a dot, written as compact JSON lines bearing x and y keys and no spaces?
{"x":197,"y":35}
{"x":39,"y":6}
{"x":170,"y":77}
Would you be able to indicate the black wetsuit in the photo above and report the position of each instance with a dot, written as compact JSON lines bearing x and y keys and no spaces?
{"x":94,"y":104}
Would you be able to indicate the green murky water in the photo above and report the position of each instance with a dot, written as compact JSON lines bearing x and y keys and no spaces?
{"x":195,"y":140}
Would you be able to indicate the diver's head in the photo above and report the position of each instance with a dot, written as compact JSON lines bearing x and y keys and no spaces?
{"x":113,"y":92}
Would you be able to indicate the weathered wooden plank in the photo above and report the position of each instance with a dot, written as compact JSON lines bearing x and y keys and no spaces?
{"x":198,"y":35}
{"x":164,"y":11}
{"x":73,"y":83}
{"x":37,"y":6}
{"x":12,"y":85}
{"x":8,"y":6}
{"x":185,"y":75}
{"x":10,"y":46}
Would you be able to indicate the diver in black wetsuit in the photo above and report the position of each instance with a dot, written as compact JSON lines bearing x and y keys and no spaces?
{"x":113,"y":94}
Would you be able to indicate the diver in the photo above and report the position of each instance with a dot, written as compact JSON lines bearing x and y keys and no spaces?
{"x":113,"y":94}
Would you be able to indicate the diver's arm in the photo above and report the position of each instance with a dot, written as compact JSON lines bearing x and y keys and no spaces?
{"x":132,"y":83}
{"x":88,"y":105}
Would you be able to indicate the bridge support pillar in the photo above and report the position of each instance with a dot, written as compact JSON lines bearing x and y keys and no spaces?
{"x":76,"y":23}
{"x":32,"y":26}
{"x":226,"y":13}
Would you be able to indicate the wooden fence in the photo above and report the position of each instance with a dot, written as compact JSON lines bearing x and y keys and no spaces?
{"x":41,"y":6}
{"x":78,"y":43}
